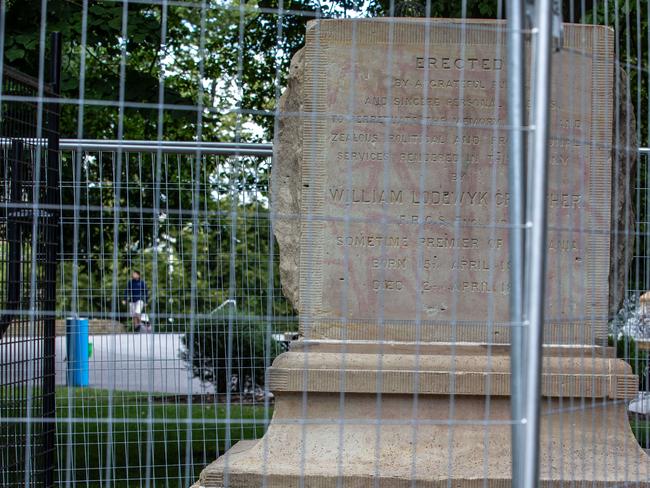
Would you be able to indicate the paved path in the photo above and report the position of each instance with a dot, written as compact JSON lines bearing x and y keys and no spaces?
{"x":134,"y":362}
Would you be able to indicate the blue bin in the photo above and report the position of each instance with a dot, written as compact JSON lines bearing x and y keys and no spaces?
{"x":77,"y":351}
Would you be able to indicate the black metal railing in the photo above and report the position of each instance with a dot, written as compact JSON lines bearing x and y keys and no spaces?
{"x":29,"y":223}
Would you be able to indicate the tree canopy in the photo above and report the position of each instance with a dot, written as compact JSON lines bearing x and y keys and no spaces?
{"x":218,"y":66}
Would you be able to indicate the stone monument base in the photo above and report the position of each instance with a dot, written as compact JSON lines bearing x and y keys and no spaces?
{"x":437,"y":417}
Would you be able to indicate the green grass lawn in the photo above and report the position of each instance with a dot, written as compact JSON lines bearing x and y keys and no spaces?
{"x":128,"y":439}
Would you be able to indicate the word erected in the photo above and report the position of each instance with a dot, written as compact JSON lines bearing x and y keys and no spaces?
{"x":472,"y":64}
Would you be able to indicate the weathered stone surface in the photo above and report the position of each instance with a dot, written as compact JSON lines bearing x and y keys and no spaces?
{"x":463,"y":272}
{"x":286,"y":179}
{"x":466,"y":443}
{"x":287,"y":196}
{"x":384,"y":452}
{"x":444,"y":375}
{"x":624,"y":157}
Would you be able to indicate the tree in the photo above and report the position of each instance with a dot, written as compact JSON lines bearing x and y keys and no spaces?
{"x":215,"y":85}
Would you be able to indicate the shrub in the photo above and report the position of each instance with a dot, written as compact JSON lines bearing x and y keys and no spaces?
{"x":241,"y":343}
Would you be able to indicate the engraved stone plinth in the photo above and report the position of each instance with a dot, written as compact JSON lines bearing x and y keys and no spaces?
{"x":404,"y":195}
{"x":391,"y":209}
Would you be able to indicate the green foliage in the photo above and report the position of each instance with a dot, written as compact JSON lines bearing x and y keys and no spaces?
{"x":186,"y":263}
{"x":215,"y":86}
{"x":630,"y":23}
{"x":235,"y":343}
{"x":214,"y":79}
{"x":109,"y":63}
{"x":449,"y":9}
{"x":221,"y":68}
{"x":641,"y":430}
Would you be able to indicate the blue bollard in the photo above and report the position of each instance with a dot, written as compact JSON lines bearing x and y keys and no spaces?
{"x":77,"y":351}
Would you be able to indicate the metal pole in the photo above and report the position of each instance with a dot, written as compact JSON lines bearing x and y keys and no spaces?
{"x":165,"y":147}
{"x":175,"y":147}
{"x":50,"y":231}
{"x":536,"y":245}
{"x":516,"y":184}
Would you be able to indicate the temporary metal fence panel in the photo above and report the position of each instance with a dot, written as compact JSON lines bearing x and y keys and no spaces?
{"x":640,"y":270}
{"x":177,"y":380}
{"x":28,"y":250}
{"x":194,"y":220}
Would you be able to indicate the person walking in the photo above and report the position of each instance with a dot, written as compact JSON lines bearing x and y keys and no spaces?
{"x":136,"y":295}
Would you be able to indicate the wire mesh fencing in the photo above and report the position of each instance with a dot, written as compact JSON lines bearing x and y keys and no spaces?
{"x":639,"y":272}
{"x":187,"y":382}
{"x":371,"y":241}
{"x":28,"y":264}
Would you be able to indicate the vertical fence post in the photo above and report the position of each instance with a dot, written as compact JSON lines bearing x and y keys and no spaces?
{"x":536,"y":241}
{"x":49,"y":233}
{"x":14,"y":232}
{"x":516,"y":184}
